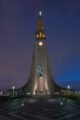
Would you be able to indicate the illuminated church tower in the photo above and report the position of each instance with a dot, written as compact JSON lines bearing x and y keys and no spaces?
{"x":40,"y":81}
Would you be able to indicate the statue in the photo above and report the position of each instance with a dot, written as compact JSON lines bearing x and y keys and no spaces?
{"x":40,"y":71}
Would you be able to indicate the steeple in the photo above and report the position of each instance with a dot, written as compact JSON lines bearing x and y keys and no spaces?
{"x":41,"y":81}
{"x":40,"y":29}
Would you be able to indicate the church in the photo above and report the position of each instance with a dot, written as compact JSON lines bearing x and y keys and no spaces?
{"x":41,"y":81}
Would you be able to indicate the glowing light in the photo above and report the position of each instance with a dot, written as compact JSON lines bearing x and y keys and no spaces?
{"x":37,"y":36}
{"x":22,"y":104}
{"x":61,"y":103}
{"x":40,"y":34}
{"x":40,"y":13}
{"x":28,"y":93}
{"x":40,"y":43}
{"x":43,"y":36}
{"x":35,"y":88}
{"x":1,"y":92}
{"x":68,"y":87}
{"x":13,"y":87}
{"x":46,"y":86}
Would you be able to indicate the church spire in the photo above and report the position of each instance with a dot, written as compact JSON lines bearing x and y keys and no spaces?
{"x":40,"y":30}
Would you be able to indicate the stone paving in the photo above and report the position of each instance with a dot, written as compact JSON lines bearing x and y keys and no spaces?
{"x":40,"y":109}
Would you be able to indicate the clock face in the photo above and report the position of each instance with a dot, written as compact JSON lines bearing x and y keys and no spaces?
{"x":40,"y":43}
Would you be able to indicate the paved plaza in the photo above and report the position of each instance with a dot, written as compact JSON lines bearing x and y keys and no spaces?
{"x":39,"y":109}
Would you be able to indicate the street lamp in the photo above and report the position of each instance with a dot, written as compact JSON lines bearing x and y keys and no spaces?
{"x":13,"y":88}
{"x":1,"y":92}
{"x":68,"y":87}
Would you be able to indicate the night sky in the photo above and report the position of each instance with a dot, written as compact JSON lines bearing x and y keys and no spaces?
{"x":18,"y":20}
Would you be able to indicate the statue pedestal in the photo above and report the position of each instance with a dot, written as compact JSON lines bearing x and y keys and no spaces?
{"x":41,"y":89}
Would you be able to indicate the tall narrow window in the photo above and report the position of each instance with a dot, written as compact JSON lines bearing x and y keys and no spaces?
{"x":43,"y":35}
{"x":40,"y":34}
{"x":37,"y":36}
